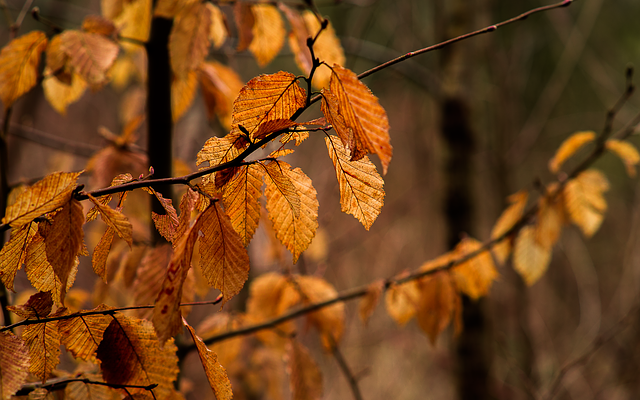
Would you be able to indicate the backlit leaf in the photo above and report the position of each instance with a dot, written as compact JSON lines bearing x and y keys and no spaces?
{"x":357,"y":117}
{"x":38,"y":306}
{"x":298,"y":38}
{"x":134,"y":21}
{"x":474,"y":276}
{"x":60,"y":95}
{"x":90,"y":54}
{"x":220,"y":86}
{"x":216,"y":374}
{"x":189,"y":39}
{"x":402,"y":301}
{"x":82,"y":334}
{"x":568,"y":148}
{"x":130,"y":354}
{"x":437,"y":304}
{"x":115,"y":220}
{"x":80,"y":390}
{"x":506,"y":221}
{"x":13,"y":253}
{"x":219,"y":31}
{"x":14,"y":364}
{"x":361,"y":187}
{"x":19,"y":63}
{"x":241,"y":200}
{"x":530,"y":258}
{"x":265,"y":98}
{"x":370,"y":301}
{"x":280,"y":153}
{"x":305,"y":377}
{"x":584,"y":200}
{"x":44,"y":347}
{"x":268,"y":33}
{"x":223,"y":259}
{"x":627,"y":153}
{"x":551,"y":217}
{"x":218,"y":151}
{"x":99,"y":25}
{"x":183,"y":91}
{"x":166,"y":224}
{"x":169,"y":8}
{"x":101,"y":253}
{"x":243,"y":15}
{"x":43,"y":197}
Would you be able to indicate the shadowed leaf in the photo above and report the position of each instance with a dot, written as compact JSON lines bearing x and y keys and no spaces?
{"x":305,"y":377}
{"x":506,"y":221}
{"x":81,"y":335}
{"x":370,"y":301}
{"x":437,"y":304}
{"x":183,"y":91}
{"x":220,"y":86}
{"x":243,"y":15}
{"x":19,"y":63}
{"x":38,"y":306}
{"x":14,"y":252}
{"x":14,"y":364}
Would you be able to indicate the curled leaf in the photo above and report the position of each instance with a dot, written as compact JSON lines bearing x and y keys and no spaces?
{"x":568,"y":148}
{"x":627,"y":153}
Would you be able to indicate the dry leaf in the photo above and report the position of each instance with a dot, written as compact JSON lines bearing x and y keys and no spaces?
{"x":14,"y":252}
{"x":241,"y":200}
{"x":584,"y":200}
{"x":268,"y":33}
{"x":59,"y":94}
{"x":183,"y":91}
{"x":166,"y":224}
{"x":219,"y":30}
{"x":99,"y":25}
{"x":298,"y":38}
{"x":305,"y":377}
{"x":550,"y":217}
{"x":361,"y":187}
{"x":243,"y":14}
{"x":402,"y":301}
{"x":474,"y":276}
{"x":150,"y":276}
{"x":437,"y":304}
{"x":530,"y":258}
{"x":220,"y":86}
{"x":217,"y":151}
{"x":44,"y":347}
{"x":357,"y":117}
{"x":19,"y":63}
{"x":189,"y":39}
{"x":115,"y":220}
{"x":266,"y":301}
{"x":81,"y":390}
{"x":90,"y":54}
{"x":38,"y":306}
{"x":82,"y":334}
{"x":506,"y":221}
{"x":627,"y":153}
{"x":568,"y":148}
{"x":14,"y":364}
{"x":370,"y":301}
{"x":134,"y":21}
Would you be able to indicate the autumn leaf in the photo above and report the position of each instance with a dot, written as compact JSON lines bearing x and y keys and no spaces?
{"x":166,"y":224}
{"x":361,"y":187}
{"x":298,"y":39}
{"x":14,"y":364}
{"x":38,"y":306}
{"x":133,"y":21}
{"x":292,"y":206}
{"x":14,"y":252}
{"x":220,"y":86}
{"x":46,"y":195}
{"x":44,"y":347}
{"x":241,"y":200}
{"x":627,"y":153}
{"x":437,"y":304}
{"x":551,"y":216}
{"x":228,"y":351}
{"x":584,"y":200}
{"x":106,"y":199}
{"x":370,"y":301}
{"x":130,"y":354}
{"x":243,"y":15}
{"x":223,"y":259}
{"x":402,"y":301}
{"x":79,"y":390}
{"x":82,"y":334}
{"x":217,"y":151}
{"x":474,"y":276}
{"x":150,"y":276}
{"x":90,"y":54}
{"x":19,"y":63}
{"x":115,"y":220}
{"x":568,"y":148}
{"x":280,"y":153}
{"x":265,"y":98}
{"x":216,"y":374}
{"x":59,"y":94}
{"x":189,"y":39}
{"x":268,"y":33}
{"x":530,"y":258}
{"x":183,"y":91}
{"x":98,"y":24}
{"x":506,"y":221}
{"x":219,"y":30}
{"x":305,"y":377}
{"x":357,"y":117}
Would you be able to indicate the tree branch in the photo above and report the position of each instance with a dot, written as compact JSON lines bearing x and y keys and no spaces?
{"x":346,"y":371}
{"x":59,"y":384}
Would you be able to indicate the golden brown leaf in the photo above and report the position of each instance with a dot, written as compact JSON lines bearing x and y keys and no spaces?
{"x":130,"y":354}
{"x":150,"y":276}
{"x":220,"y":86}
{"x":183,"y":91}
{"x":187,"y":205}
{"x":280,"y":153}
{"x":266,"y":98}
{"x":19,"y":63}
{"x":241,"y":200}
{"x":60,"y":94}
{"x":530,"y":258}
{"x":169,"y":8}
{"x":134,"y":21}
{"x":216,"y":374}
{"x":115,"y":220}
{"x":229,"y":350}
{"x":506,"y":221}
{"x":219,"y":30}
{"x":14,"y":364}
{"x":223,"y":258}
{"x":63,"y":241}
{"x":437,"y":304}
{"x":189,"y":39}
{"x":38,"y":306}
{"x":305,"y":377}
{"x":57,"y":61}
{"x":44,"y":347}
{"x":627,"y":153}
{"x":551,"y":216}
{"x":99,"y":25}
{"x":43,"y":197}
{"x":243,"y":14}
{"x":273,"y":126}
{"x":13,"y":253}
{"x":267,"y":301}
{"x":475,"y":276}
{"x":111,"y":8}
{"x":218,"y":151}
{"x":166,"y":224}
{"x":101,"y":253}
{"x":584,"y":200}
{"x":268,"y":33}
{"x":82,"y":334}
{"x":568,"y":148}
{"x":361,"y":187}
{"x":402,"y":301}
{"x":106,"y":199}
{"x":90,"y":54}
{"x":298,"y":38}
{"x":357,"y":117}
{"x":294,"y":213}
{"x":370,"y":301}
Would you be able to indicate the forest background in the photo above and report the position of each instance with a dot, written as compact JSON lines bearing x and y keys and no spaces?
{"x":526,"y":88}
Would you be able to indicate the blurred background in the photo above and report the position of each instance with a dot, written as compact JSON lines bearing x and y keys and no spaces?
{"x":470,"y":125}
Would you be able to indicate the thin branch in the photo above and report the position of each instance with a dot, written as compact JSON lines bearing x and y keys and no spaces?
{"x":100,"y":312}
{"x":346,"y":371}
{"x":59,"y":384}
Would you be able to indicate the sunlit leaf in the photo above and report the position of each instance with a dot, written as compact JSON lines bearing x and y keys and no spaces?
{"x":134,"y":21}
{"x":551,"y":217}
{"x":19,"y":63}
{"x":166,"y":224}
{"x":243,"y":15}
{"x":268,"y":33}
{"x":437,"y":304}
{"x":223,"y":259}
{"x":189,"y":39}
{"x":14,"y":364}
{"x":61,"y":95}
{"x":361,"y":187}
{"x":280,"y":153}
{"x":115,"y":220}
{"x":265,"y":98}
{"x":90,"y":54}
{"x":530,"y":258}
{"x":357,"y":116}
{"x":402,"y":301}
{"x":305,"y":377}
{"x":82,"y":334}
{"x":474,"y":276}
{"x":44,"y":347}
{"x":13,"y":253}
{"x":568,"y":148}
{"x":220,"y":86}
{"x":241,"y":200}
{"x":218,"y":151}
{"x":111,"y":8}
{"x":627,"y":153}
{"x":216,"y":374}
{"x":219,"y":30}
{"x":584,"y":200}
{"x":169,"y":8}
{"x":506,"y":221}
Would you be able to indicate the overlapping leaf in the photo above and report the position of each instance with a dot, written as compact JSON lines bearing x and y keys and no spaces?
{"x":38,"y":306}
{"x":627,"y":153}
{"x":438,"y":304}
{"x":584,"y":200}
{"x":551,"y":217}
{"x":474,"y":276}
{"x":60,"y":95}
{"x":370,"y":301}
{"x":81,"y":390}
{"x":219,"y":31}
{"x":90,"y":54}
{"x":298,"y":39}
{"x":82,"y":334}
{"x":150,"y":276}
{"x":530,"y":258}
{"x":292,"y":206}
{"x":14,"y":252}
{"x":568,"y":148}
{"x":361,"y":187}
{"x":241,"y":200}
{"x":402,"y":301}
{"x":115,"y":220}
{"x":268,"y":33}
{"x":220,"y":86}
{"x":19,"y":63}
{"x":43,"y":197}
{"x":223,"y":259}
{"x":44,"y":347}
{"x":189,"y":39}
{"x":506,"y":221}
{"x":133,"y":20}
{"x":216,"y":374}
{"x":218,"y":151}
{"x":357,"y":117}
{"x":14,"y":364}
{"x":243,"y":15}
{"x":265,"y":98}
{"x":305,"y":377}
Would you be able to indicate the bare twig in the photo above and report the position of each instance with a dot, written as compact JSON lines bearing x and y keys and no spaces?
{"x":58,"y":384}
{"x":346,"y":371}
